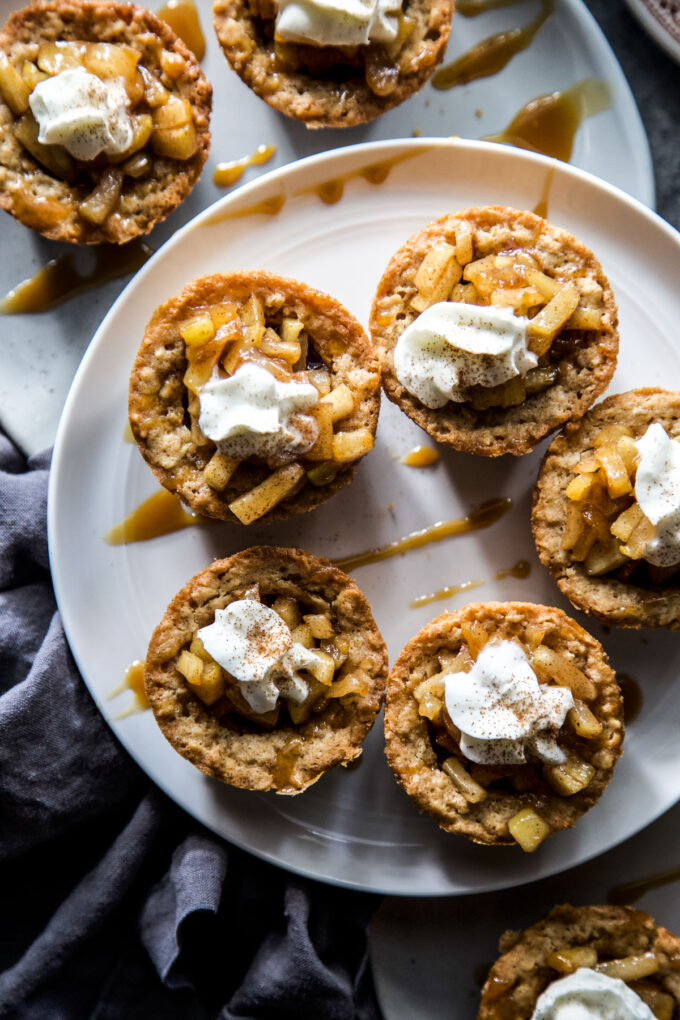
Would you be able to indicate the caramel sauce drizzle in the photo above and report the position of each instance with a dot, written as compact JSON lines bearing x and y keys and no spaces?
{"x":182,"y":17}
{"x":133,"y":680}
{"x":521,"y":569}
{"x":160,"y":514}
{"x":628,"y":892}
{"x":443,"y":593}
{"x":541,"y":207}
{"x":267,"y":207}
{"x":61,"y":279}
{"x":491,"y":55}
{"x":226,"y":174}
{"x":549,"y":123}
{"x":495,"y":987}
{"x":284,"y":767}
{"x":420,"y":456}
{"x":480,"y":517}
{"x":332,"y":190}
{"x":632,"y":697}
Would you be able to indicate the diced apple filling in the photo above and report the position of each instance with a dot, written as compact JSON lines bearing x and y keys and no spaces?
{"x":552,"y":667}
{"x":605,"y":528}
{"x":451,"y":272}
{"x":331,"y":676}
{"x":163,"y":120}
{"x":223,"y":337}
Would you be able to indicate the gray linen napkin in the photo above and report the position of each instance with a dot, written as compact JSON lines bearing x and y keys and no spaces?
{"x":113,"y":902}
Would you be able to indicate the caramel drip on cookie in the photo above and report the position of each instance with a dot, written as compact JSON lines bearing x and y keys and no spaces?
{"x":226,"y":174}
{"x":158,"y":515}
{"x":549,"y":123}
{"x":133,"y":680}
{"x":63,"y":279}
{"x":491,"y":55}
{"x":283,"y":774}
{"x":182,"y":17}
{"x":481,"y":517}
{"x":541,"y":207}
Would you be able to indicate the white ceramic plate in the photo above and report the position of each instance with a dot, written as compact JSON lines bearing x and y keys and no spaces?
{"x":357,"y":828}
{"x":428,"y":955}
{"x":35,"y":377}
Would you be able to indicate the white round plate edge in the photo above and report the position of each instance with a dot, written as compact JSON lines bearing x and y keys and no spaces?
{"x":241,"y":198}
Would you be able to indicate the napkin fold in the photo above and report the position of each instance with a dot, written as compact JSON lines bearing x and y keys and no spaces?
{"x":116,"y":904}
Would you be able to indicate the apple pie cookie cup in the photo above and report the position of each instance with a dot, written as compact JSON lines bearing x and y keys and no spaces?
{"x":503,"y":258}
{"x":589,"y":529}
{"x":618,"y":942}
{"x":331,"y":86}
{"x":218,"y":324}
{"x":111,"y":197}
{"x":502,"y":804}
{"x":201,"y":709}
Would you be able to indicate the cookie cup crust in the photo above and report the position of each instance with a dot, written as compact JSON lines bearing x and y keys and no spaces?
{"x":246,"y":756}
{"x":409,"y":744}
{"x":156,"y":407}
{"x":606,"y":598}
{"x":144,"y":202}
{"x":328,"y":103}
{"x":521,"y":974}
{"x":583,"y":374}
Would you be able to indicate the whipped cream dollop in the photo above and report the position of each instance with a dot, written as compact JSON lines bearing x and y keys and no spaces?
{"x":253,"y":414}
{"x":337,"y":22}
{"x":657,"y":490}
{"x":588,"y":995}
{"x":254,"y":644}
{"x":502,"y":710}
{"x":86,"y":115}
{"x":452,"y":346}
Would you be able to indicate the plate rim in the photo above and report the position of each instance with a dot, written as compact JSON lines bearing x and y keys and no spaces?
{"x":237,"y":198}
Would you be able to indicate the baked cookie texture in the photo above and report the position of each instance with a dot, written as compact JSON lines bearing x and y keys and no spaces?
{"x":221,"y":742}
{"x":157,"y":400}
{"x":46,"y":203}
{"x":522,"y":973}
{"x":416,"y":758}
{"x":609,"y":599}
{"x":581,"y":361}
{"x":329,"y":90}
